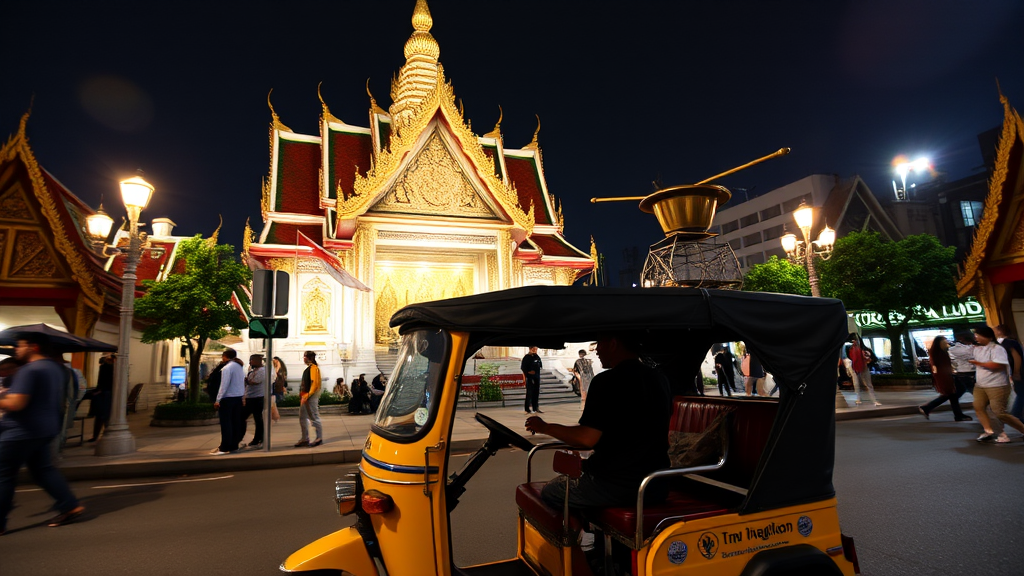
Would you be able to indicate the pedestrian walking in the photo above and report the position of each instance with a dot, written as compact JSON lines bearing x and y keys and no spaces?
{"x":1015,"y":354}
{"x":992,"y":387}
{"x":32,"y":419}
{"x":280,"y":379}
{"x":377,"y":388}
{"x":531,"y":367}
{"x":213,"y":380}
{"x":961,"y":353}
{"x":229,"y":403}
{"x":101,"y":397}
{"x":753,"y":375}
{"x":309,"y":397}
{"x":860,"y":357}
{"x":722,"y":368}
{"x":253,"y":402}
{"x":583,"y":370}
{"x":942,"y":380}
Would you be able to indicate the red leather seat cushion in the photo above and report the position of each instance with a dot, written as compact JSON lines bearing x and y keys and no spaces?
{"x":685,"y":505}
{"x":546,"y":518}
{"x":751,"y":425}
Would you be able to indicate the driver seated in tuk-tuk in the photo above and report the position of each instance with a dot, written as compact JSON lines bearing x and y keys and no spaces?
{"x":625,"y":422}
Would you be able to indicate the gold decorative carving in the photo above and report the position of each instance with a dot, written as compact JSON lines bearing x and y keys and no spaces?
{"x":433,"y":183}
{"x":404,"y":136}
{"x":328,"y":117}
{"x":247,"y":237}
{"x":534,"y":143}
{"x":517,"y":273}
{"x":14,"y":206}
{"x":538,"y":273}
{"x":1016,"y":244}
{"x":565,"y":276}
{"x":17,"y":147}
{"x":316,"y":306}
{"x":1013,"y":129}
{"x":275,"y":121}
{"x":31,"y":259}
{"x":435,"y":238}
{"x":265,"y":198}
{"x":284,"y":264}
{"x":401,"y":284}
{"x":3,"y":249}
{"x":492,"y":271}
{"x":496,"y":131}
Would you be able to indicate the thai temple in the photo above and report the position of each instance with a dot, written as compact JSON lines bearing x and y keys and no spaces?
{"x":415,"y":205}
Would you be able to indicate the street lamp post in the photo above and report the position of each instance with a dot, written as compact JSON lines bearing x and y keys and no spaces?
{"x":904,"y":168}
{"x":117,"y":438}
{"x":806,"y":250}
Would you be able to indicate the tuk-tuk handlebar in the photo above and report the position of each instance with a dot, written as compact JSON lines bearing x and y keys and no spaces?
{"x":639,"y":539}
{"x":537,"y":448}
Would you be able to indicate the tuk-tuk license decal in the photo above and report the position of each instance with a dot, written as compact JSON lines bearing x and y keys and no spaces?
{"x":804,"y":526}
{"x":708,"y":545}
{"x":677,"y":552}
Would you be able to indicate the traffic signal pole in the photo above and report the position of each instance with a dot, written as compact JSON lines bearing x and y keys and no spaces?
{"x":269,"y":394}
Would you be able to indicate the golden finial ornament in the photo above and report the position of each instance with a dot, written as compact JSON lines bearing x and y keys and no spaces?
{"x":535,"y":144}
{"x":247,"y":237}
{"x":275,"y":119}
{"x":421,"y":18}
{"x":211,"y":242}
{"x":419,"y":75}
{"x":496,"y":132}
{"x":327,"y":111}
{"x":374,"y":108}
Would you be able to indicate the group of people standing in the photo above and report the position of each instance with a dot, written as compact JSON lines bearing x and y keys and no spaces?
{"x":364,"y":398}
{"x":989,"y":366}
{"x":238,"y":397}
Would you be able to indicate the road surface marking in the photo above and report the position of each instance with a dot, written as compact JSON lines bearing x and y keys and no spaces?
{"x":164,"y":482}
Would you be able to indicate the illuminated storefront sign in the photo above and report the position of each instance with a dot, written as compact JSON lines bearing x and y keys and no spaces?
{"x":967,"y":311}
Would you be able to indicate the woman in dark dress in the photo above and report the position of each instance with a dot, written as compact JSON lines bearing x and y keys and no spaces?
{"x":942,"y":379}
{"x":355,"y":405}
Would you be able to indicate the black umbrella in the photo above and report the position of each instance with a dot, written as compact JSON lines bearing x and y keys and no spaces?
{"x":59,"y":341}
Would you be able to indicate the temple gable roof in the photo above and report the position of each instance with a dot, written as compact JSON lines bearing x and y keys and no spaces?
{"x":998,"y":248}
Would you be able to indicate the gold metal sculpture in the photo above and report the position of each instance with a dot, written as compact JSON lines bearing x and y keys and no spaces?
{"x":689,"y":209}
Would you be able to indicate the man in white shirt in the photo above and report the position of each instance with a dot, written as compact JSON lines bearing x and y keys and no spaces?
{"x":229,"y":403}
{"x":992,"y":387}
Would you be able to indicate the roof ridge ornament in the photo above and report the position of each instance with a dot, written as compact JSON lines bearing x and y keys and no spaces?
{"x":534,"y":144}
{"x":275,"y":119}
{"x":496,"y":131}
{"x":327,"y":111}
{"x":374,"y":108}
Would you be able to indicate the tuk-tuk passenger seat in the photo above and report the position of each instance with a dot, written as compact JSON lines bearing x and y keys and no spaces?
{"x":749,"y":430}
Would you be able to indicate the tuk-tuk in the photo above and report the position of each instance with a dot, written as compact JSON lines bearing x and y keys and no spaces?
{"x":765,"y":506}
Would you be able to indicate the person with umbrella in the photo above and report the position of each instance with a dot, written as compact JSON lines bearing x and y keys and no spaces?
{"x":31,"y":421}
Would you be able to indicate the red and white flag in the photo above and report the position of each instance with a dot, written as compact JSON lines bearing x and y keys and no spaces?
{"x":334,"y":267}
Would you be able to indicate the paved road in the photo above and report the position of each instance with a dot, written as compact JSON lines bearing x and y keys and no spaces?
{"x":920,"y":498}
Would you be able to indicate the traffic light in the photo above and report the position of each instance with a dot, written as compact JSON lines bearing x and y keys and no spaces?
{"x":260,"y":328}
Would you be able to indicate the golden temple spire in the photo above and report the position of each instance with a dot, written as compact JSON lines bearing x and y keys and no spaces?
{"x":418,"y":76}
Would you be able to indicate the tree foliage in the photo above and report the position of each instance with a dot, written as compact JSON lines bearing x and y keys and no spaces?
{"x":777,"y":275}
{"x":195,"y":305}
{"x":899,"y":280}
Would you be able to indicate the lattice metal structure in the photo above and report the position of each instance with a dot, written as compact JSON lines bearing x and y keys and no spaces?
{"x":681,"y":260}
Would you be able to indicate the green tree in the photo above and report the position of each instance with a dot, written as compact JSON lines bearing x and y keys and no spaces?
{"x":899,"y":280}
{"x":779,"y":276}
{"x":195,"y":305}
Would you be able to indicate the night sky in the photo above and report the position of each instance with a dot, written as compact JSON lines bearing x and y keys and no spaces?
{"x":627,"y":92}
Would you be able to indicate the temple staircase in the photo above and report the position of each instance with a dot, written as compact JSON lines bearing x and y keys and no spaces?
{"x":553,"y":390}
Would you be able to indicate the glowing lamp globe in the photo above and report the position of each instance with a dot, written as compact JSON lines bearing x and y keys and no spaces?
{"x":827,"y":237}
{"x":136,"y":193}
{"x":99,"y":224}
{"x":789,"y":243}
{"x":804,"y":216}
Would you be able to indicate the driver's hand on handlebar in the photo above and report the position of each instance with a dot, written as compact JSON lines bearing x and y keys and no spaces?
{"x":536,"y":424}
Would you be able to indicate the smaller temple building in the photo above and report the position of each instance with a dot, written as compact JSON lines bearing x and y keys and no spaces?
{"x":53,"y":272}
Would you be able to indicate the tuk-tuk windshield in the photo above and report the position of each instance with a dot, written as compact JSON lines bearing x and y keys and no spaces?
{"x":409,"y":404}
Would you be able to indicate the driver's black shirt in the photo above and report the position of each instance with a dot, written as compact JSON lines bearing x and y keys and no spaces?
{"x":631,"y":406}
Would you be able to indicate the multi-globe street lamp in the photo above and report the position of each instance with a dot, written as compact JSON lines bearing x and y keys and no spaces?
{"x":805,"y":250}
{"x":136,"y":193}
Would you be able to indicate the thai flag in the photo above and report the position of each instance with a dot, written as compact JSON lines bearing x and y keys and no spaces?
{"x":334,"y":267}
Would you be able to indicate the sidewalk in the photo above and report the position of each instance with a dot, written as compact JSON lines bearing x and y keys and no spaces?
{"x":185,"y":450}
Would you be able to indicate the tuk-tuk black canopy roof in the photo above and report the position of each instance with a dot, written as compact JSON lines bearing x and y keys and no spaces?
{"x":796,"y":338}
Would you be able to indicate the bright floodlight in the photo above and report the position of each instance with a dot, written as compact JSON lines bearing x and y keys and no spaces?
{"x":136,"y":192}
{"x":827,"y":237}
{"x":789,"y":243}
{"x":921,"y":164}
{"x":99,"y":224}
{"x":804,"y":216}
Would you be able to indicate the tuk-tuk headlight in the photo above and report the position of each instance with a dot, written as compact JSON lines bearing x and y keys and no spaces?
{"x":345,"y":496}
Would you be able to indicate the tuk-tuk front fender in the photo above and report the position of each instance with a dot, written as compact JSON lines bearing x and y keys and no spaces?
{"x":342,"y":550}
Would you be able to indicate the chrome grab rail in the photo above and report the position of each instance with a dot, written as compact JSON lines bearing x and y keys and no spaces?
{"x":439,"y":447}
{"x":538,"y":447}
{"x":639,"y":539}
